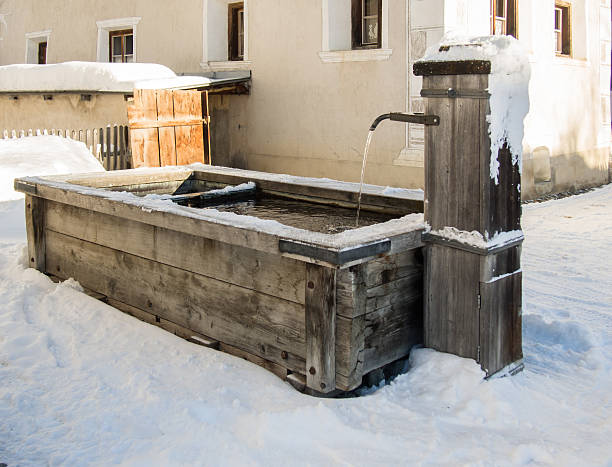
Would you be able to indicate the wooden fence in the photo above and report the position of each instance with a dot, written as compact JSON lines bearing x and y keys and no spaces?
{"x":110,"y":145}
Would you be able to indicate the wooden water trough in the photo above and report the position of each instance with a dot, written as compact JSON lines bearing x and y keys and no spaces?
{"x":323,"y":309}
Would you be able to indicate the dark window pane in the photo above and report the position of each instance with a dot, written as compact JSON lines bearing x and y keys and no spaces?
{"x":370,"y":7}
{"x":116,"y":45}
{"x":499,"y":8}
{"x":129,"y":45}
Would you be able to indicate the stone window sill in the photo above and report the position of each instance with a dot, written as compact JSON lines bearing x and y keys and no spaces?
{"x":226,"y":66}
{"x":363,"y":55}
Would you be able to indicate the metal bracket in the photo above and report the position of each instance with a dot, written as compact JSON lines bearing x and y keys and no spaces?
{"x":454,"y":93}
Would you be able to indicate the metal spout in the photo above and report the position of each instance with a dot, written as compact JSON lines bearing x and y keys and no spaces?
{"x":407,"y":118}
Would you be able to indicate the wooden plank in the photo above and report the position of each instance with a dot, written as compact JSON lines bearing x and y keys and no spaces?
{"x":145,"y":142}
{"x":189,"y":139}
{"x":165,"y":115}
{"x":263,"y":272}
{"x":272,"y":367}
{"x":166,"y":325}
{"x":35,"y":229}
{"x":350,"y":345}
{"x":391,"y":332}
{"x":320,"y":328}
{"x":392,"y":267}
{"x":351,"y":291}
{"x":266,"y":326}
{"x":500,"y":323}
{"x":395,"y":293}
{"x":451,"y":312}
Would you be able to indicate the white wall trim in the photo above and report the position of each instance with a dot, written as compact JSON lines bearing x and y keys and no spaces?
{"x":360,"y":55}
{"x":33,"y":39}
{"x":228,"y":65}
{"x":211,"y":58}
{"x":108,"y":25}
{"x":330,"y":22}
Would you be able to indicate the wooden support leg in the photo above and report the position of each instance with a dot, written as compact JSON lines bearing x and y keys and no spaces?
{"x":320,"y":328}
{"x":35,"y":228}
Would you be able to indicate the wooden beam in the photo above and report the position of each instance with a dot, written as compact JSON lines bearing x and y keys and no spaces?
{"x":35,"y":229}
{"x":320,"y":328}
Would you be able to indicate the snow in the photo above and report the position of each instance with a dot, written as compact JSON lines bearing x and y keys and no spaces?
{"x":81,"y":383}
{"x":41,"y":155}
{"x":508,"y":87}
{"x":476,"y":239}
{"x":92,"y":76}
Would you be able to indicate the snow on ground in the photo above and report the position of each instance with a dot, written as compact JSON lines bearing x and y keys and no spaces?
{"x":81,"y":383}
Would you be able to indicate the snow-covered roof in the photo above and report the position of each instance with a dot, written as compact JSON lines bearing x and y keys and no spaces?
{"x":93,"y":77}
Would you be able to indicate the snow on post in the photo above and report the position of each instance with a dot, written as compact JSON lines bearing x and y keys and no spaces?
{"x":508,"y":87}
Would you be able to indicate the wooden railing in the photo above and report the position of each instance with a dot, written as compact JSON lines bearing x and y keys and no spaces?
{"x":110,"y":145}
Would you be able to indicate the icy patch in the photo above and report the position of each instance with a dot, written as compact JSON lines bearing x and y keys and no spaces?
{"x":508,"y":87}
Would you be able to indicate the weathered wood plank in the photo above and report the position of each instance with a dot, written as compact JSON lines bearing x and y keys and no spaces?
{"x":266,"y":326}
{"x":252,"y":269}
{"x":451,"y":314}
{"x":395,"y":293}
{"x":35,"y":225}
{"x":393,"y":267}
{"x":145,"y":142}
{"x":500,"y":323}
{"x":272,"y":367}
{"x":391,"y":332}
{"x":189,"y":139}
{"x":165,"y":113}
{"x":320,"y":328}
{"x":166,"y":325}
{"x":351,"y":291}
{"x":350,"y":346}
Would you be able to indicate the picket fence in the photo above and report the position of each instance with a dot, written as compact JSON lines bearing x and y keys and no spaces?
{"x":110,"y":145}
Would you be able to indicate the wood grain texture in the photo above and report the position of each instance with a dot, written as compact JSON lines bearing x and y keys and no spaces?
{"x":35,"y":208}
{"x":351,"y":291}
{"x":320,"y":328}
{"x":165,"y":113}
{"x":501,"y":323}
{"x":259,"y":271}
{"x":451,"y":301}
{"x":257,"y":323}
{"x":189,"y":139}
{"x":350,"y":345}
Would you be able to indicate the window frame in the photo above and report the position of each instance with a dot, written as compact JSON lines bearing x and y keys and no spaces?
{"x":235,"y":32}
{"x":358,"y":19}
{"x":123,"y":33}
{"x":106,"y":27}
{"x":510,"y":18}
{"x":566,"y":29}
{"x":33,"y":39}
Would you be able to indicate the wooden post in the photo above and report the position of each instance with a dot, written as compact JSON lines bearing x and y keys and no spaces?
{"x":35,"y":229}
{"x":472,"y":305}
{"x":320,"y":328}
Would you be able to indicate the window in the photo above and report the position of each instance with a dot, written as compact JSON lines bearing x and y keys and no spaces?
{"x":235,"y":30}
{"x":225,"y":35}
{"x":36,"y":47}
{"x":42,"y":53}
{"x":503,"y":17}
{"x":563,"y":43}
{"x":366,"y":24}
{"x":121,"y":46}
{"x":117,"y":40}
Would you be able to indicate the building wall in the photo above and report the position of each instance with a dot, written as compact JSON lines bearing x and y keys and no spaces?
{"x":312,"y":101}
{"x":167,"y":32}
{"x":64,"y":111}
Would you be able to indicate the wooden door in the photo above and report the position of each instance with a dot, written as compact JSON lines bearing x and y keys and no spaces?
{"x":167,"y":128}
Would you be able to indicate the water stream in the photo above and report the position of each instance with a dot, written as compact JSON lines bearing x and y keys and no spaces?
{"x":363,"y":166}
